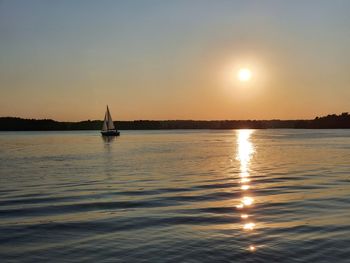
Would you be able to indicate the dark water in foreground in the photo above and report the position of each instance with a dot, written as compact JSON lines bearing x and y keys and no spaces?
{"x":175,"y":196}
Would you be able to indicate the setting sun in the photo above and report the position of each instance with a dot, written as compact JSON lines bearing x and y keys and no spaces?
{"x":244,"y":74}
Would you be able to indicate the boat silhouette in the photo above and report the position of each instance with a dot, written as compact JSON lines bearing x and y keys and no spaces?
{"x":108,"y":128}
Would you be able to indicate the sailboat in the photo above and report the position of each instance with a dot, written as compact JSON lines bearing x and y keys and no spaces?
{"x":108,"y":128}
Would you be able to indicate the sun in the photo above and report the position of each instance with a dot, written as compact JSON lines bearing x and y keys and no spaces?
{"x":244,"y":74}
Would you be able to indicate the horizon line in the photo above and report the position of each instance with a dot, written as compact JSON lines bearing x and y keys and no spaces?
{"x":275,"y":119}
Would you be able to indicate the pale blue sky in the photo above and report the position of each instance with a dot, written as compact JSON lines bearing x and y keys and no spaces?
{"x":169,"y":59}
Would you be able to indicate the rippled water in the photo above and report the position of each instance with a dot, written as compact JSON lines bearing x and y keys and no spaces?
{"x":175,"y":196}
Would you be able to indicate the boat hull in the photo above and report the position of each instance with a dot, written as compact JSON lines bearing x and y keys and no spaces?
{"x":110,"y":133}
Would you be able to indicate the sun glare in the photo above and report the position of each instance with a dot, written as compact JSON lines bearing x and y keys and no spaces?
{"x":244,"y":74}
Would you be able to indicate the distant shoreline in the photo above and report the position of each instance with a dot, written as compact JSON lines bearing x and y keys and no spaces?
{"x":333,"y":121}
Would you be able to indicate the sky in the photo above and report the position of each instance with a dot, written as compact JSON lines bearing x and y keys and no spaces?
{"x":166,"y":60}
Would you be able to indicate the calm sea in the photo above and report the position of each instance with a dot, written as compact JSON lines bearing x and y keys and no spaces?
{"x":175,"y":196}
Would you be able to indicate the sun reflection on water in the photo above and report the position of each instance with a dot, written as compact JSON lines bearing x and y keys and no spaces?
{"x":244,"y":216}
{"x":252,"y":248}
{"x":247,"y":200}
{"x":249,"y":226}
{"x":245,"y":187}
{"x":244,"y":156}
{"x":245,"y":180}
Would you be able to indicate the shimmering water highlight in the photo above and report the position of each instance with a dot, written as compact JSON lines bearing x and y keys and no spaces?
{"x":175,"y":196}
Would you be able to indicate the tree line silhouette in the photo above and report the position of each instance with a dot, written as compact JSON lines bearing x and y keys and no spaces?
{"x":333,"y":121}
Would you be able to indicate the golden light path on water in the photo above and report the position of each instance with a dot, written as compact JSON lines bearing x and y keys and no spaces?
{"x":244,"y":155}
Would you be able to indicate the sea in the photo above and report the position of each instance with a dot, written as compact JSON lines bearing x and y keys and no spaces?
{"x":278,"y":195}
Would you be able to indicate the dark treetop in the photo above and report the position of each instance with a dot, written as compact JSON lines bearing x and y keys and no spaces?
{"x":333,"y":121}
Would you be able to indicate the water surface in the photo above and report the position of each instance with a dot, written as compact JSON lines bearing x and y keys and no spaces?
{"x":175,"y":196}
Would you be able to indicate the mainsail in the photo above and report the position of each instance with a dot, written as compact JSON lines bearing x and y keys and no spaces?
{"x":108,"y":122}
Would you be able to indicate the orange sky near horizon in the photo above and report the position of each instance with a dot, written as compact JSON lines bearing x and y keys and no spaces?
{"x":165,"y":61}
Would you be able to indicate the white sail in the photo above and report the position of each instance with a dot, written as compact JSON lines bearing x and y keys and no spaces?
{"x":110,"y":123}
{"x":108,"y":128}
{"x":105,"y":121}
